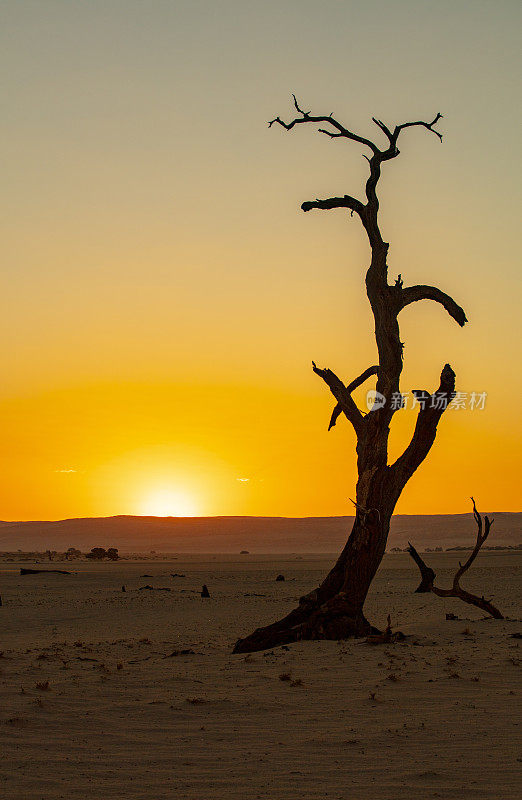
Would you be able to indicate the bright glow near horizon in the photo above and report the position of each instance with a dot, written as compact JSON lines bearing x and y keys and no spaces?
{"x":166,"y":502}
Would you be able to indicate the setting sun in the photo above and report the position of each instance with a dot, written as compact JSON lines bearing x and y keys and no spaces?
{"x":168,"y":503}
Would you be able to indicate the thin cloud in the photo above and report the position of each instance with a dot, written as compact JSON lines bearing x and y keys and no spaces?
{"x":65,"y":471}
{"x":243,"y":480}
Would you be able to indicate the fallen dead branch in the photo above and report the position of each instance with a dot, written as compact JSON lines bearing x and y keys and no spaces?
{"x":427,"y":583}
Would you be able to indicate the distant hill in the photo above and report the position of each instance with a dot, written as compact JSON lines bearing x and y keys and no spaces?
{"x":255,"y":534}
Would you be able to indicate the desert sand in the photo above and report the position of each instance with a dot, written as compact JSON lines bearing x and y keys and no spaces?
{"x":95,"y":705}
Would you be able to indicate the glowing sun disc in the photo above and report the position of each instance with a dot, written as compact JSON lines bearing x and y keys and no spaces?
{"x":168,"y":503}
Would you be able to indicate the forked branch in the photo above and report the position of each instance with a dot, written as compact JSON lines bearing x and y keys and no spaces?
{"x":428,"y":125}
{"x":393,"y":136}
{"x":336,"y":130}
{"x":351,"y":388}
{"x":481,"y":538}
{"x":339,"y":131}
{"x":431,"y":409}
{"x":342,"y":395}
{"x":427,"y":583}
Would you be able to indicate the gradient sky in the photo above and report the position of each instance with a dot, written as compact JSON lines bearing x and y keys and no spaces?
{"x":163,"y":295}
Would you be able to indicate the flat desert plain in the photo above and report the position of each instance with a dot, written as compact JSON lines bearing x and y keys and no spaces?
{"x":96,"y":704}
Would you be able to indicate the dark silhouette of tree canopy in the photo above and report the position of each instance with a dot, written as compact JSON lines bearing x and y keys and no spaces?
{"x":335,"y":609}
{"x":97,"y":554}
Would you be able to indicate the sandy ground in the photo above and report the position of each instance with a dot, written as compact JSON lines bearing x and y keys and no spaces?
{"x":92,"y":706}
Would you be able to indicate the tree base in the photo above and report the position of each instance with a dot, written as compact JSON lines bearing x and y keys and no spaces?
{"x":333,"y":620}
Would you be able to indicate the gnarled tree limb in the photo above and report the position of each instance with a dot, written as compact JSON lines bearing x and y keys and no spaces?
{"x":412,"y":294}
{"x":427,"y":583}
{"x":428,"y":125}
{"x":335,"y":202}
{"x":342,"y":395}
{"x":393,"y":136}
{"x":481,"y":538}
{"x":431,"y":409}
{"x":339,"y":130}
{"x":351,"y":388}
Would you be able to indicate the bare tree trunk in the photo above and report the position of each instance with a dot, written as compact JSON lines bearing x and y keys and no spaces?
{"x":335,"y":609}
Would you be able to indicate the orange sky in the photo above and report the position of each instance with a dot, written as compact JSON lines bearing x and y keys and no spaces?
{"x":163,"y":296}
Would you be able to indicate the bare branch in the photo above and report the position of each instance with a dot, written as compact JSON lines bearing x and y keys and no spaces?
{"x":330,"y":120}
{"x":331,"y":134}
{"x":431,"y":410}
{"x":380,"y":124}
{"x":427,"y":583}
{"x":335,"y":202}
{"x":413,"y":294}
{"x":427,"y":125}
{"x":342,"y":395}
{"x":481,"y":538}
{"x":300,"y":110}
{"x":427,"y":574}
{"x":351,"y":388}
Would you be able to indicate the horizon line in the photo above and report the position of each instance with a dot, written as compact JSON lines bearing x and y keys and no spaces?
{"x":235,"y":516}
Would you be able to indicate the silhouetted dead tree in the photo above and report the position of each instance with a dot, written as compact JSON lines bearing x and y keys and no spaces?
{"x":428,"y":575}
{"x":335,"y":609}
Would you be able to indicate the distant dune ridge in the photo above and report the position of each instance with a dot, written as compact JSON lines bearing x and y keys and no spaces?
{"x":255,"y":534}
